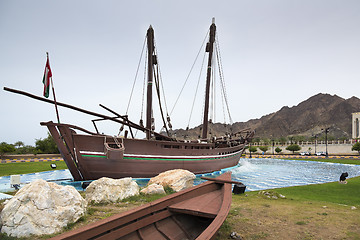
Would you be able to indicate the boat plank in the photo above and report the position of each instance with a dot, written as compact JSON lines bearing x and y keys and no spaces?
{"x":151,"y":232}
{"x":206,"y":205}
{"x":169,"y":228}
{"x":210,"y":232}
{"x":221,"y":180}
{"x":66,"y":154}
{"x":123,"y":231}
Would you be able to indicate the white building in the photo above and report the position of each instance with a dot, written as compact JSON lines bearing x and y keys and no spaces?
{"x":356,"y":125}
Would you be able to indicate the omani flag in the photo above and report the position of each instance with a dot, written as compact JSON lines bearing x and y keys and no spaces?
{"x":47,"y":78}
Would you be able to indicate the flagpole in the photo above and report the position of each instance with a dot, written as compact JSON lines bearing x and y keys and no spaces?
{"x":52,"y":86}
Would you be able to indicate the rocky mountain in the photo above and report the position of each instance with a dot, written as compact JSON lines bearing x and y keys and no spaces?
{"x":307,"y":118}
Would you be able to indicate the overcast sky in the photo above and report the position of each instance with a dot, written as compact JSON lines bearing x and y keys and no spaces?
{"x":274,"y":54}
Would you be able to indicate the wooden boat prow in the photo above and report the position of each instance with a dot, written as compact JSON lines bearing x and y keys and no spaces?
{"x":194,"y":213}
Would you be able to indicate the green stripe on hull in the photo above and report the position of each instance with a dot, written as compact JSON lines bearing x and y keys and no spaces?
{"x":98,"y":156}
{"x":165,"y":159}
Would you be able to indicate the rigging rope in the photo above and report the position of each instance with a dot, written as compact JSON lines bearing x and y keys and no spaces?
{"x":160,"y":77}
{"x":197,"y":87}
{"x":217,"y":48}
{"x":187,"y":78}
{"x":137,"y":71}
{"x":213,"y":93}
{"x":143,"y":93}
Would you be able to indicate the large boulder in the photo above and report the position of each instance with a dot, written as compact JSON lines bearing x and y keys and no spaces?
{"x":41,"y":208}
{"x":153,"y":189}
{"x":177,"y":179}
{"x":111,"y":190}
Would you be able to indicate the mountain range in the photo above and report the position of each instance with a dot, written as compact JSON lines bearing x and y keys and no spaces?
{"x":306,"y":119}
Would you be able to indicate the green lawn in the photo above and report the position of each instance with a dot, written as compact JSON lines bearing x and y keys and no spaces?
{"x":348,"y":194}
{"x":7,"y":169}
{"x":343,"y":161}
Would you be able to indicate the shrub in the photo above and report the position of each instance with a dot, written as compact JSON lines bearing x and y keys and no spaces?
{"x":356,"y":147}
{"x":6,"y":148}
{"x":47,"y":145}
{"x":253,"y":149}
{"x":264,"y":148}
{"x":293,"y":148}
{"x":278,"y":150}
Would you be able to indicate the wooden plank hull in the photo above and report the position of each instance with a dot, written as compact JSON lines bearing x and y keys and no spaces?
{"x":135,"y":167}
{"x":194,"y":213}
{"x":90,"y":157}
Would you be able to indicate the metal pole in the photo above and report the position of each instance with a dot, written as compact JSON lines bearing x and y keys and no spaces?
{"x":250,"y":148}
{"x":53,"y":90}
{"x":326,"y":142}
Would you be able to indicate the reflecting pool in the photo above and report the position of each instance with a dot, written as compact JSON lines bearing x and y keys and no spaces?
{"x":256,"y":174}
{"x":260,"y":173}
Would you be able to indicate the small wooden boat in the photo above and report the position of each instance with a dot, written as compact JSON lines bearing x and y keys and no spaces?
{"x":194,"y":213}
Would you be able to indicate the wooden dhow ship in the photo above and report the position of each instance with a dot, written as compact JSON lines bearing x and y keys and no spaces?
{"x":91,"y":155}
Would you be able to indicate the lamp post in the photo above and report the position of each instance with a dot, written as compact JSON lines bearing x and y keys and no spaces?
{"x":250,"y":148}
{"x":326,"y":132}
{"x":315,"y":136}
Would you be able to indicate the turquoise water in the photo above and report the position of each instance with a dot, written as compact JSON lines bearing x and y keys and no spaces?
{"x":256,"y":174}
{"x":260,"y":174}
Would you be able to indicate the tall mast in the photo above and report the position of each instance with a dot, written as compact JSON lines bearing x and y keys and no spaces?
{"x":150,"y":44}
{"x":209,"y":48}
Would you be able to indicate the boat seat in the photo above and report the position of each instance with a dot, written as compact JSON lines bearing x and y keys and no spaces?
{"x":206,"y":205}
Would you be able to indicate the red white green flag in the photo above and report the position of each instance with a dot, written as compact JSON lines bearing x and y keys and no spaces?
{"x":47,"y":78}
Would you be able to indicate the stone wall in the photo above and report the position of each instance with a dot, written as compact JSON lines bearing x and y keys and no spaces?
{"x":333,"y":149}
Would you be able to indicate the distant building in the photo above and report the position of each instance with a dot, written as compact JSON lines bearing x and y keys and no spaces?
{"x":356,"y":125}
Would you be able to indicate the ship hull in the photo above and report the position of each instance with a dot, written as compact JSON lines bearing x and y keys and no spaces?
{"x":91,"y":157}
{"x":145,"y":166}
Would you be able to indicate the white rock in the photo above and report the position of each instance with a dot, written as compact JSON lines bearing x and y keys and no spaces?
{"x":177,"y":179}
{"x":111,"y":190}
{"x":353,"y":208}
{"x":153,"y":189}
{"x":41,"y":208}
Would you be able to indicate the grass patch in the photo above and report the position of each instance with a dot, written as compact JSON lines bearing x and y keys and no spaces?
{"x":253,"y":216}
{"x":4,"y":236}
{"x":91,"y":211}
{"x":70,"y":226}
{"x":144,"y":198}
{"x":348,"y":194}
{"x":342,"y":161}
{"x":224,"y":231}
{"x":7,"y":169}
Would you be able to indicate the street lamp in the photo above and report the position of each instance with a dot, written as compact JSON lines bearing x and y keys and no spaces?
{"x":315,"y":136}
{"x":250,"y":148}
{"x":326,"y":132}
